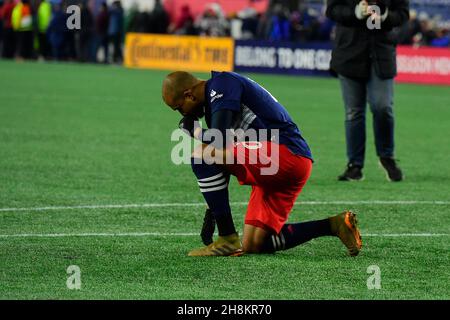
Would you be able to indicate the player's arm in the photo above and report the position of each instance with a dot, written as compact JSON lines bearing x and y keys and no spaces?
{"x":225,"y":103}
{"x":221,"y":122}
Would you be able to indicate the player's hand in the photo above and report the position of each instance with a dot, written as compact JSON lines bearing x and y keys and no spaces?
{"x":361,"y":10}
{"x":189,"y":123}
{"x":209,"y":224}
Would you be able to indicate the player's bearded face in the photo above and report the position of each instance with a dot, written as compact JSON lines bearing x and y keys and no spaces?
{"x":193,"y":107}
{"x":200,"y":110}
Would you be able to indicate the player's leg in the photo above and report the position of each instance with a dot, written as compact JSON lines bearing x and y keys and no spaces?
{"x":266,"y":230}
{"x":354,"y":96}
{"x":254,"y":238}
{"x":263,"y":240}
{"x":212,"y":180}
{"x":271,"y":202}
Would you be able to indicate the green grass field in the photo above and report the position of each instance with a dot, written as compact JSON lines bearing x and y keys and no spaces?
{"x":96,"y":136}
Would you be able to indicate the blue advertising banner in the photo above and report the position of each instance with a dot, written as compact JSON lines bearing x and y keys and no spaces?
{"x":312,"y":59}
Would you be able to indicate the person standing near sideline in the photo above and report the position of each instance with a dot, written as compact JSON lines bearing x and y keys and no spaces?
{"x":115,"y":30}
{"x":9,"y":38}
{"x":101,"y":29}
{"x":22,"y":23}
{"x":44,"y":16}
{"x":364,"y":59}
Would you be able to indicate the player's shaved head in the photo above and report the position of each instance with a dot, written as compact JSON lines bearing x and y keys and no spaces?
{"x":184,"y":93}
{"x":175,"y":84}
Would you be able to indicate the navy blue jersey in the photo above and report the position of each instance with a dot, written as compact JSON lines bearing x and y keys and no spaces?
{"x":254,"y":108}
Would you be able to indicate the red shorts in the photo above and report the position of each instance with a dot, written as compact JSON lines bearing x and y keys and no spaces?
{"x":277,"y":177}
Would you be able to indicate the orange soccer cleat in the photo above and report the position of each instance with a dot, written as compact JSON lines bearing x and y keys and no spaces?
{"x":344,"y":226}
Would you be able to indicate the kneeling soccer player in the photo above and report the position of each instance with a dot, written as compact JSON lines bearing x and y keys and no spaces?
{"x":276,"y":164}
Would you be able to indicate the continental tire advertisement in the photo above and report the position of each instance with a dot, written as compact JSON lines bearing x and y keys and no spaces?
{"x":169,"y":52}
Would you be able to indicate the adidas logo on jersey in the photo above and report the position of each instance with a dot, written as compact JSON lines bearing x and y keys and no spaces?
{"x":215,"y":96}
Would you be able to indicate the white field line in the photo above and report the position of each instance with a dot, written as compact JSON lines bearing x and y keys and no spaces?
{"x":201,"y":204}
{"x":97,"y":234}
{"x":169,"y":234}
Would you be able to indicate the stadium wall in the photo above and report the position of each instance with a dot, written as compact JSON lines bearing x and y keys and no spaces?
{"x":421,"y":65}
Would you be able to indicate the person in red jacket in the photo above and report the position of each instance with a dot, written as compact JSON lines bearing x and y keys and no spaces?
{"x":9,"y":43}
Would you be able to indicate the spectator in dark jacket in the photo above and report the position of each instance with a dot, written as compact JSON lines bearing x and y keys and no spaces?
{"x":159,"y":19}
{"x":364,"y":58}
{"x":86,"y":34}
{"x":408,"y":30}
{"x":56,"y":32}
{"x":70,"y":46}
{"x":280,"y":28}
{"x":442,"y":39}
{"x":115,"y":30}
{"x":101,"y":29}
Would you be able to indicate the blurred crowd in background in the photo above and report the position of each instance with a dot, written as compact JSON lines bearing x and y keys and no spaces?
{"x":37,"y":29}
